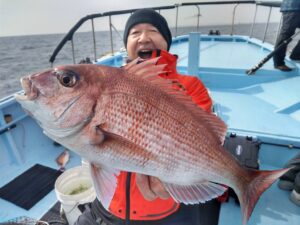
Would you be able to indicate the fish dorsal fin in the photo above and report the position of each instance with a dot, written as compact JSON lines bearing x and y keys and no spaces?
{"x":105,"y":183}
{"x":193,"y":194}
{"x":217,"y":126}
{"x":148,"y":70}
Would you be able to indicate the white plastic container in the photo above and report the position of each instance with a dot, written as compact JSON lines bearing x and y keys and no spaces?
{"x":67,"y":185}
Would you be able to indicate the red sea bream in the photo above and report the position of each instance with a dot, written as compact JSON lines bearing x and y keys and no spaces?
{"x":130,"y":119}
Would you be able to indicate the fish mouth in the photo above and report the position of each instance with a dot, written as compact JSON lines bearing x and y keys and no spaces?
{"x":30,"y":91}
{"x":145,"y":54}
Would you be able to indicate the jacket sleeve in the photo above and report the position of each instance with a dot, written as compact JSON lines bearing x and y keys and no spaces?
{"x":196,"y":89}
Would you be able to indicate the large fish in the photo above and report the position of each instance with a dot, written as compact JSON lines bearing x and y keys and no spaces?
{"x":131,"y":119}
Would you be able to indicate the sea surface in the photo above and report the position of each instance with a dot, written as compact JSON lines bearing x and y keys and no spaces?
{"x":22,"y":55}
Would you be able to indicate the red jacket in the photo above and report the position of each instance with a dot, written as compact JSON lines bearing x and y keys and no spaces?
{"x":127,"y":193}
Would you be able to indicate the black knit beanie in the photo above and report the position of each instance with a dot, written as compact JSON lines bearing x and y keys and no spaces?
{"x":152,"y":17}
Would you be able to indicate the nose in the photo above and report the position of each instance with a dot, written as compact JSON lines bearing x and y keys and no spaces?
{"x":144,"y":37}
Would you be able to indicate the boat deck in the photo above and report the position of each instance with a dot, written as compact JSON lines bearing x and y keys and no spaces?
{"x":23,"y":153}
{"x":274,"y":206}
{"x":265,"y":106}
{"x":226,"y":52}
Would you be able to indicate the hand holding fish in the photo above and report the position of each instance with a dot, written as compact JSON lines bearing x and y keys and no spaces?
{"x":151,"y":187}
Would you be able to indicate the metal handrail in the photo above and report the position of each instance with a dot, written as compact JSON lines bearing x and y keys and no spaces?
{"x":70,"y":34}
{"x":198,"y":16}
{"x":269,"y":3}
{"x":233,"y":18}
{"x":218,"y":3}
{"x":94,"y":39}
{"x":267,"y":24}
{"x":253,"y":22}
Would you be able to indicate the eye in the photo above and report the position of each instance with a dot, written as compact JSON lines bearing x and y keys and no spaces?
{"x":154,"y":30}
{"x":134,"y":33}
{"x":67,"y":78}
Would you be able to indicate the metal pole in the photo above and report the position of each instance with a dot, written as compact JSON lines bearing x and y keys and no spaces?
{"x":254,"y":18}
{"x":278,"y":29}
{"x":198,"y":17}
{"x":233,"y":18}
{"x":118,"y":33}
{"x":176,"y":21}
{"x":94,"y":40}
{"x":111,"y":38}
{"x":194,"y":53}
{"x":267,"y":25}
{"x":73,"y":52}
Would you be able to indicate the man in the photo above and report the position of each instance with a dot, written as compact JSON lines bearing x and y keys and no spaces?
{"x":290,"y":22}
{"x":138,"y":198}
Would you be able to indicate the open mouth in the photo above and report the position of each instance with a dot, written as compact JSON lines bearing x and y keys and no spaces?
{"x":145,"y":54}
{"x":30,"y":91}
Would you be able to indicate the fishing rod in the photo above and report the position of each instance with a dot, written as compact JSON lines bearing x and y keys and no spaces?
{"x":271,"y":54}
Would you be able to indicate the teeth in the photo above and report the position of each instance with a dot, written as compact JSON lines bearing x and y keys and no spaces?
{"x":145,"y":51}
{"x":30,"y":92}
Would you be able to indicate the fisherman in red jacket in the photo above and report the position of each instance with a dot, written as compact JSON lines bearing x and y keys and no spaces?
{"x":141,"y":199}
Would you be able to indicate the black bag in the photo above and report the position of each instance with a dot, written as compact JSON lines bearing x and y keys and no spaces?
{"x":245,"y":149}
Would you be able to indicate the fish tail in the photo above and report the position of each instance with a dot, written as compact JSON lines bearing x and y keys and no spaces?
{"x":253,"y":186}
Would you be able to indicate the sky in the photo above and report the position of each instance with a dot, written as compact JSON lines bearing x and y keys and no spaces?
{"x":27,"y":17}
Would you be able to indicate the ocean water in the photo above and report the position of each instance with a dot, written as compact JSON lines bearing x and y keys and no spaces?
{"x":22,"y":55}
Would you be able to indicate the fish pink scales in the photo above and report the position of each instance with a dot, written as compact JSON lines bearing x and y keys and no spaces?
{"x":130,"y":119}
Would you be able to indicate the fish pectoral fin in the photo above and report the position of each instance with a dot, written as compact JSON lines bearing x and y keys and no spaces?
{"x":193,"y":194}
{"x":105,"y":183}
{"x":96,"y":135}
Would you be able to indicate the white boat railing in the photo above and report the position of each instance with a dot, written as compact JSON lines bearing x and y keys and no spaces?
{"x":110,"y":14}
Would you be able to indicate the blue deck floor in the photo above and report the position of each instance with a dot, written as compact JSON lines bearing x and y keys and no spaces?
{"x":226,"y":52}
{"x":274,"y":206}
{"x":39,"y":149}
{"x":265,"y":104}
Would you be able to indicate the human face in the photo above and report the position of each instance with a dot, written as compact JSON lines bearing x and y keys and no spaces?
{"x":142,"y":39}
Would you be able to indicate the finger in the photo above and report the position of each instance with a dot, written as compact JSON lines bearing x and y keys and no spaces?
{"x":141,"y":65}
{"x":151,"y":70}
{"x":142,"y":181}
{"x":128,"y":66}
{"x":158,"y":188}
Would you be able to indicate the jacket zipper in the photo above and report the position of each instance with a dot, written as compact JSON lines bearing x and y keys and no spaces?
{"x":127,"y":215}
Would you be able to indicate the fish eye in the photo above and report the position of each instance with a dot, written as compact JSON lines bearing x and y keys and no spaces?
{"x":67,"y":78}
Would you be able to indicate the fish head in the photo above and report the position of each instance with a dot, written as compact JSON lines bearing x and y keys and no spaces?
{"x":61,"y":99}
